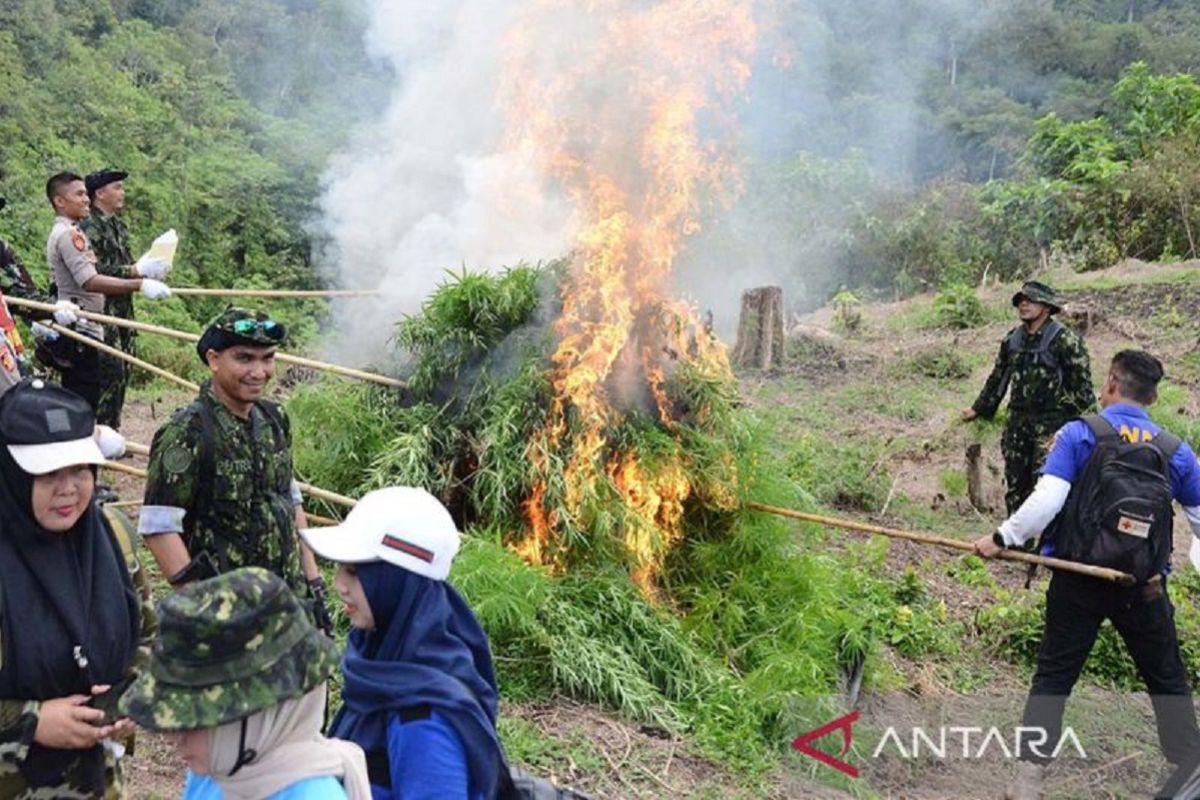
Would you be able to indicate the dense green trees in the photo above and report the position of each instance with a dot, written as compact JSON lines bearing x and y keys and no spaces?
{"x":995,"y":136}
{"x":223,"y":113}
{"x":923,"y":146}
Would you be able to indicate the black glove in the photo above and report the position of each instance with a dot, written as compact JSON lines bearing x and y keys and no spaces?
{"x":320,"y":605}
{"x":200,"y":568}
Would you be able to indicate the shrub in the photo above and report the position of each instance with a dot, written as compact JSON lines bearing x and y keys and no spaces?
{"x":958,"y":306}
{"x":847,"y":312}
{"x":941,"y":363}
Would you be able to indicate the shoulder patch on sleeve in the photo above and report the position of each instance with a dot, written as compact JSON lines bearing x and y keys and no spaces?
{"x":78,"y":239}
{"x":176,"y":459}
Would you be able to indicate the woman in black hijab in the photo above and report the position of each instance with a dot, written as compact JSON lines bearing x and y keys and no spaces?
{"x":69,"y":616}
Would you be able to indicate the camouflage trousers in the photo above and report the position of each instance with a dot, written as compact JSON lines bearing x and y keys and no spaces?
{"x":1025,"y":443}
{"x":13,"y":785}
{"x":114,"y":376}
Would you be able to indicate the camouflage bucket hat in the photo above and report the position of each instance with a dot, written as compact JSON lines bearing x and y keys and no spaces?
{"x":236,"y":325}
{"x":1039,"y":293}
{"x":227,"y":648}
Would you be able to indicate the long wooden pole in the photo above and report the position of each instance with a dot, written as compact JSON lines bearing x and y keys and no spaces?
{"x":946,"y":541}
{"x":145,"y":327}
{"x":201,"y":292}
{"x":112,"y":351}
{"x":306,"y":488}
{"x":138,"y":472}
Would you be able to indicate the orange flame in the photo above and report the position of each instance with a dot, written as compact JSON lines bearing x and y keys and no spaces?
{"x":631,"y":116}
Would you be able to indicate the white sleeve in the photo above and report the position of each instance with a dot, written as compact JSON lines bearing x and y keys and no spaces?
{"x":160,"y":519}
{"x":1193,"y":515}
{"x":1038,"y":511}
{"x":297,"y":497}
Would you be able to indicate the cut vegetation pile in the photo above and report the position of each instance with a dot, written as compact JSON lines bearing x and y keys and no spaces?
{"x":716,"y":632}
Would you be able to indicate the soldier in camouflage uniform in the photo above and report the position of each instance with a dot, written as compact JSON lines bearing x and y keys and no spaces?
{"x":237,"y":674}
{"x":109,"y":237}
{"x":220,"y":492}
{"x":1048,"y":368}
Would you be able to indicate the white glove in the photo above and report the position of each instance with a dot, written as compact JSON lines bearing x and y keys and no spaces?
{"x":112,"y":444}
{"x":155,"y":290}
{"x":66,"y":312}
{"x":150,"y":267}
{"x":42,"y":333}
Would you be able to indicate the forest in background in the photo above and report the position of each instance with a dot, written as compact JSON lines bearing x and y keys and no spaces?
{"x":223,"y":114}
{"x":890,"y":152}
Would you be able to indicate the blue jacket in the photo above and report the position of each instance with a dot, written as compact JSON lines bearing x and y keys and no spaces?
{"x":1074,"y":443}
{"x":427,"y":761}
{"x":203,"y":787}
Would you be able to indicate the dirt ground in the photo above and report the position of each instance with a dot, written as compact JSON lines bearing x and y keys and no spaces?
{"x":588,"y":749}
{"x":607,"y":757}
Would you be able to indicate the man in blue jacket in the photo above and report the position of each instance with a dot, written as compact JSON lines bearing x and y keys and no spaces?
{"x":1076,"y":605}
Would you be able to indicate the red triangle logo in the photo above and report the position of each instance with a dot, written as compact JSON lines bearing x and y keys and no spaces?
{"x":804,"y":742}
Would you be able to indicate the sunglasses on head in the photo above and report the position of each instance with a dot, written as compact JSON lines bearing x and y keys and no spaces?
{"x":269,"y":327}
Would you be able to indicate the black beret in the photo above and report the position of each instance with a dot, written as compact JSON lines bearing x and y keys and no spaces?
{"x":98,"y":180}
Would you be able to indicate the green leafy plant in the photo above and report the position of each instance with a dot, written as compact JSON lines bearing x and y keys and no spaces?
{"x":958,"y":306}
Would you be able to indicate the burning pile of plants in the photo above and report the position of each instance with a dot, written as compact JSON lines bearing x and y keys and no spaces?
{"x":581,"y":423}
{"x":644,"y":587}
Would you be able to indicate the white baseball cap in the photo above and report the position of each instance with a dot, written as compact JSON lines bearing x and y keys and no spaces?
{"x":401,"y":525}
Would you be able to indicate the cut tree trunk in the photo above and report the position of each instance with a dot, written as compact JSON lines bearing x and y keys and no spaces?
{"x":760,"y":329}
{"x":975,"y":478}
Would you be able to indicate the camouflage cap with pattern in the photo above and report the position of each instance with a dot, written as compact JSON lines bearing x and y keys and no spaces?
{"x":1038,"y":292}
{"x":236,"y":325}
{"x":227,"y":648}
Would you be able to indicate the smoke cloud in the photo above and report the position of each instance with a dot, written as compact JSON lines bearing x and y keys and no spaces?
{"x":432,"y":184}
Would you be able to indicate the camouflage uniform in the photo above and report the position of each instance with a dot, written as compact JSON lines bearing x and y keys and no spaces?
{"x":224,"y":482}
{"x":1042,"y":399}
{"x":110,"y":241}
{"x":244,"y":515}
{"x":15,"y":281}
{"x":259,"y":649}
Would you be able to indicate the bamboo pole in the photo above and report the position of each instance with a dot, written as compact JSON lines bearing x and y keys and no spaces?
{"x":306,"y":488}
{"x":946,"y":541}
{"x":202,"y":292}
{"x":326,"y":495}
{"x":117,"y":466}
{"x":310,"y":516}
{"x":112,"y":351}
{"x":145,"y":327}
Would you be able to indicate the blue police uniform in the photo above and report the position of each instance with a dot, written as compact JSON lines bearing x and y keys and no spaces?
{"x":1076,"y":606}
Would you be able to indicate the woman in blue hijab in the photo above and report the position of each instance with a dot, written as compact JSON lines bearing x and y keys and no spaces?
{"x":420,"y":692}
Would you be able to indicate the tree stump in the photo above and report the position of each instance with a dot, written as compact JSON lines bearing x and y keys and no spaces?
{"x":760,"y":329}
{"x":975,"y":478}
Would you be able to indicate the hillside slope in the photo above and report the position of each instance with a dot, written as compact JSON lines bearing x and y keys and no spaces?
{"x":870,"y":423}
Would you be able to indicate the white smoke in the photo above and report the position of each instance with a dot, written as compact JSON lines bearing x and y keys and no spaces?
{"x":430,"y":186}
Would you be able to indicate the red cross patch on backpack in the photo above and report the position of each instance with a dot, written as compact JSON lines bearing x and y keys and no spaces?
{"x":1119,"y":513}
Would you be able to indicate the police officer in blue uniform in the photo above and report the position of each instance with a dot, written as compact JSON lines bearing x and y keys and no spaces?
{"x":1076,"y":605}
